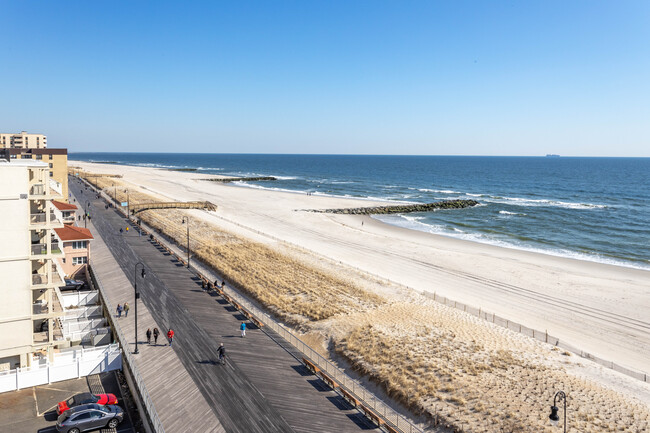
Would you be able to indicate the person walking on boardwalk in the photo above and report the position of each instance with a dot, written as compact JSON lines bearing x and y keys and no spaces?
{"x":170,"y":336}
{"x":148,"y":335}
{"x":242,"y":328}
{"x":119,"y":310}
{"x":126,"y":309}
{"x":156,"y":333}
{"x":222,"y":353}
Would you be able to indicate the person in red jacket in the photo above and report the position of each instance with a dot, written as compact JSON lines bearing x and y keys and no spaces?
{"x":170,"y":336}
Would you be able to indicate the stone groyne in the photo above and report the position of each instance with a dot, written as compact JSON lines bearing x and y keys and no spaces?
{"x":420,"y":207}
{"x":241,"y":179}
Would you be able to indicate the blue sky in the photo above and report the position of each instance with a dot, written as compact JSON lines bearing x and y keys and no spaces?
{"x":362,"y":77}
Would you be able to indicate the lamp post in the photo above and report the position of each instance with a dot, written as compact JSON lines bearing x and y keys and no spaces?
{"x":127,"y":205}
{"x":137,"y":296}
{"x":183,"y":221}
{"x":559,"y":396}
{"x":86,"y":214}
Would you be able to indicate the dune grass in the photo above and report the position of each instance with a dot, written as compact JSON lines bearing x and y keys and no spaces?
{"x":437,"y":360}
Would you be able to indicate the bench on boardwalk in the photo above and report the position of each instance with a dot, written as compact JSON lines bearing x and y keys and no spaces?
{"x":350,"y":398}
{"x":256,"y":322}
{"x":310,"y":365}
{"x":329,"y":380}
{"x":390,"y":429}
{"x":373,"y":416}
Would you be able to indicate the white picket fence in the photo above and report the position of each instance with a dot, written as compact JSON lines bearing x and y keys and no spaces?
{"x":79,"y":298}
{"x":66,"y":365}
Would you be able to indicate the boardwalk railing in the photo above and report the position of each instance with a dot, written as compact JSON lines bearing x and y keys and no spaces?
{"x":149,"y":407}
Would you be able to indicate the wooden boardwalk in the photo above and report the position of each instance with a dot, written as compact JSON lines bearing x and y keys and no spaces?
{"x":139,"y":207}
{"x":262,"y":388}
{"x":165,"y":377}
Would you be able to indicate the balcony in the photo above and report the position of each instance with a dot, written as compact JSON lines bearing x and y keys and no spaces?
{"x":42,"y":338}
{"x":41,"y":307}
{"x":39,"y":281}
{"x":40,"y":250}
{"x":40,"y":219}
{"x":37,"y":191}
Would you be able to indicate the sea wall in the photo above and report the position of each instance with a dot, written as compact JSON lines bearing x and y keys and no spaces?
{"x":420,"y":207}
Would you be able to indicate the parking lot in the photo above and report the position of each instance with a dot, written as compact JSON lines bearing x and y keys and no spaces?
{"x":34,"y":409}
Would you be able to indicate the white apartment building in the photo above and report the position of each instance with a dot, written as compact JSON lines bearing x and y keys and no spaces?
{"x":30,"y":299}
{"x":23,"y":140}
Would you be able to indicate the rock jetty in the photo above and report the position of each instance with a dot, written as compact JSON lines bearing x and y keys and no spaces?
{"x":420,"y":207}
{"x":241,"y":179}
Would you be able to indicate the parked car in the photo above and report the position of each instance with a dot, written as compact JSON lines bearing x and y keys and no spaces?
{"x":73,"y":285}
{"x":85,"y":398}
{"x":89,"y":417}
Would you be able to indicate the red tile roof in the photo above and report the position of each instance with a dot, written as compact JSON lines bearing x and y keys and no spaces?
{"x":64,"y":206}
{"x":73,"y":233}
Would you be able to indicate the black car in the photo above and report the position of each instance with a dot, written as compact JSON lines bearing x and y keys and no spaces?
{"x":73,"y":285}
{"x":89,"y":417}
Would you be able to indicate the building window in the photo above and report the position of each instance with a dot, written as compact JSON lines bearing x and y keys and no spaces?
{"x":50,"y":156}
{"x":39,"y":156}
{"x":51,"y":165}
{"x":13,"y":156}
{"x":51,"y":174}
{"x":78,"y":245}
{"x":63,"y":260}
{"x":79,"y":260}
{"x":27,"y":156}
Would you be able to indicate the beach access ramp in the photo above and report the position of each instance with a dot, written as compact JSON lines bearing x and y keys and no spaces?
{"x":206,"y":205}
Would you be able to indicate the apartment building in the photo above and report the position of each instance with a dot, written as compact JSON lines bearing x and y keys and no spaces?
{"x":56,"y":159}
{"x":22,"y":141}
{"x":31,"y":305}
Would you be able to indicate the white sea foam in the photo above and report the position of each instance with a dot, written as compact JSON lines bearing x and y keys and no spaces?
{"x":409,"y":223}
{"x":527,"y":202}
{"x":505,"y":212}
{"x":439,"y":191}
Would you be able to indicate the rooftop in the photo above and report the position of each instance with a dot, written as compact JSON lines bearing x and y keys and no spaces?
{"x":64,"y":206}
{"x":73,"y":233}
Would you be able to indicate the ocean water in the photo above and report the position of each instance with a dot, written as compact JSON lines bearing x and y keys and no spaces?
{"x":594,"y":209}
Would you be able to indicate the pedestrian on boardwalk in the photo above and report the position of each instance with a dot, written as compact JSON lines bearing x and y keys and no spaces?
{"x":170,"y":336}
{"x":126,"y":309}
{"x":119,"y":310}
{"x":148,"y":335}
{"x":242,"y":327}
{"x":121,"y":230}
{"x":156,"y":333}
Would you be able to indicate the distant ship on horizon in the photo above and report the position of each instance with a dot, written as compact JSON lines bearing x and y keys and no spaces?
{"x":552,"y":155}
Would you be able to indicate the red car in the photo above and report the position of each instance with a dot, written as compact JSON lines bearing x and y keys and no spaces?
{"x":85,"y":398}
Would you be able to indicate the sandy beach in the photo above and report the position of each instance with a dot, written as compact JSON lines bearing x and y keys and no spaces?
{"x":356,"y":286}
{"x":599,"y":308}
